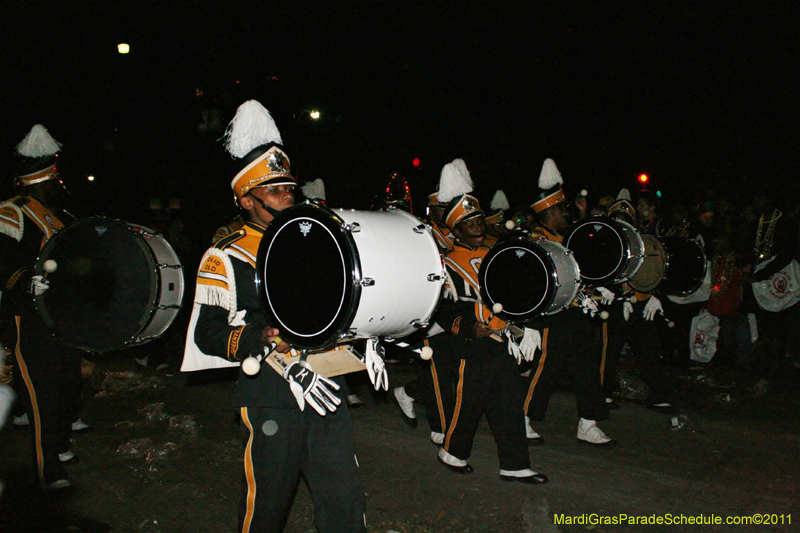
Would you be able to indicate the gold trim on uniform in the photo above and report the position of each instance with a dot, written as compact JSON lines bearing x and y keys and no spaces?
{"x":249,"y":473}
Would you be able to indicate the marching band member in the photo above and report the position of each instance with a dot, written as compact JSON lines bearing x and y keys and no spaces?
{"x":496,"y":222}
{"x":488,"y":380}
{"x":566,"y":336}
{"x":51,"y":372}
{"x":282,"y":437}
{"x":635,"y":323}
{"x":436,"y":214}
{"x":435,"y":378}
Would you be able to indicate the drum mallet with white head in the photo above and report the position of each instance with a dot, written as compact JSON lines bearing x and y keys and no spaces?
{"x":252,"y":365}
{"x":49,"y":266}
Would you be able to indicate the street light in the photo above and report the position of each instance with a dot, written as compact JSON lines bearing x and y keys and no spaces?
{"x":314,"y":114}
{"x":123,"y":48}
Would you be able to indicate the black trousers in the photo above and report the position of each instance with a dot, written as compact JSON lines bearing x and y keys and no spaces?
{"x":644,"y":338}
{"x":435,"y":383}
{"x":283,"y":445}
{"x":51,"y":373}
{"x":489,"y":386}
{"x":569,"y":342}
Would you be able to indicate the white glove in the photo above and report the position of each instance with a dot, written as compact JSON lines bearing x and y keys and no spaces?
{"x":627,"y":309}
{"x":376,"y":369}
{"x":312,"y":388}
{"x":652,"y":307}
{"x":606,"y":296}
{"x":38,"y":285}
{"x":531,"y":341}
{"x":588,"y":305}
{"x":514,"y":349}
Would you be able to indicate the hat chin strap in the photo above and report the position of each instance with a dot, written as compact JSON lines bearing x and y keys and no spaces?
{"x":271,"y":210}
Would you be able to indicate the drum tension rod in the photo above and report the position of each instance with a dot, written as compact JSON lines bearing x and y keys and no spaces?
{"x":355,"y":227}
{"x":422,"y":228}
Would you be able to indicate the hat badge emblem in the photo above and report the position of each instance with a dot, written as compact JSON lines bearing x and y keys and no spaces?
{"x":305,"y":228}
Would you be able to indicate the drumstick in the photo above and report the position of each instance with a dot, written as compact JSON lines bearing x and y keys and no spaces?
{"x":252,"y":364}
{"x":496,"y":308}
{"x":425,"y":353}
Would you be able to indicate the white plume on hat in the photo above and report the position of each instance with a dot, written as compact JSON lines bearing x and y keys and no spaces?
{"x":252,"y":127}
{"x":38,"y":143}
{"x":624,"y":194}
{"x":550,"y":176}
{"x":454,"y":181}
{"x":499,"y":201}
{"x":314,"y":190}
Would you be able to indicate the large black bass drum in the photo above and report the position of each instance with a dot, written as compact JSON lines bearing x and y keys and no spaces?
{"x":685,"y":266}
{"x":608,"y":251}
{"x":528,"y":278}
{"x":330,"y":275}
{"x":113,"y":284}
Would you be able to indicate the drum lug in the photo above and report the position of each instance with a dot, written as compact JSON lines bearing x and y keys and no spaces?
{"x":434,"y":277}
{"x":419,"y":324}
{"x":367,"y":282}
{"x":422,"y":228}
{"x":355,"y":227}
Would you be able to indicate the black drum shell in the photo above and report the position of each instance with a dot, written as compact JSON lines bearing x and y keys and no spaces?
{"x":686,"y":266}
{"x":107,"y":285}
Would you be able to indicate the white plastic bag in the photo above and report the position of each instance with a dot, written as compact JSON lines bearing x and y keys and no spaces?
{"x":781,"y":291}
{"x":703,"y":337}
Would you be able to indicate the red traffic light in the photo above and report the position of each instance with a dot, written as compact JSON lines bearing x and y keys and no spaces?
{"x":643,"y":178}
{"x":416,"y":162}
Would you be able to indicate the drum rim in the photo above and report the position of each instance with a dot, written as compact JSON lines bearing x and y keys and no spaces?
{"x":619,"y":269}
{"x":334,"y":224}
{"x":155,"y":290}
{"x":648,"y":288}
{"x":549,"y":294}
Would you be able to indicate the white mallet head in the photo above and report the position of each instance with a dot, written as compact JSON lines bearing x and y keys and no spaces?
{"x":604,"y":315}
{"x":497,"y":308}
{"x":670,"y":324}
{"x":634,"y":299}
{"x":426,"y":353}
{"x":251,"y":366}
{"x":584,"y":192}
{"x":510,"y":224}
{"x":50,"y":266}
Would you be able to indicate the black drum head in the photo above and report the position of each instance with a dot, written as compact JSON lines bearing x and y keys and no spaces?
{"x":686,"y":266}
{"x":102,"y":293}
{"x":305,"y":272}
{"x":518,"y":275}
{"x":597,"y":247}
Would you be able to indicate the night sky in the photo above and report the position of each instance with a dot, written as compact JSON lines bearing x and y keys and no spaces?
{"x":701,"y":96}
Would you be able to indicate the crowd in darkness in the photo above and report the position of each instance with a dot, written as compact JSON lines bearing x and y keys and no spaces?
{"x":747,"y":239}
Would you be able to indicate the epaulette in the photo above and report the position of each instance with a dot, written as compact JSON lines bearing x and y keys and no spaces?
{"x":19,"y":201}
{"x":230,"y":239}
{"x":12,"y":221}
